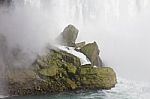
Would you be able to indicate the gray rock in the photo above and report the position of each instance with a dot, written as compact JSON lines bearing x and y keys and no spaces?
{"x":91,"y":50}
{"x":68,"y":36}
{"x":81,"y":44}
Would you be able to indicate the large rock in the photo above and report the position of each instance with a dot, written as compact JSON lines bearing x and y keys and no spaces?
{"x":56,"y":73}
{"x":91,"y":50}
{"x":68,"y":36}
{"x":59,"y":71}
{"x":102,"y":77}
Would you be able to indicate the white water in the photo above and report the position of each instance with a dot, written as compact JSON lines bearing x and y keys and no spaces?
{"x":125,"y":89}
{"x":83,"y":59}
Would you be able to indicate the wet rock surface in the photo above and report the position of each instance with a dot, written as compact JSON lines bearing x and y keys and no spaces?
{"x":92,"y":51}
{"x":59,"y":75}
{"x":59,"y":71}
{"x":68,"y":36}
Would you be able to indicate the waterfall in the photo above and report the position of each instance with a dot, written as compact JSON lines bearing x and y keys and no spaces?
{"x":81,"y":12}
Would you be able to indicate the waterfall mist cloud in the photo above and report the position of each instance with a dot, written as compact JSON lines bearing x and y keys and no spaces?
{"x":25,"y":31}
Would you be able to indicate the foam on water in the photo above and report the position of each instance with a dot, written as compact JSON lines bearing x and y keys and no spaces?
{"x":124,"y":90}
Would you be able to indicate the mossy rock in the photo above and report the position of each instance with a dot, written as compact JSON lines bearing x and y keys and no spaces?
{"x":20,"y":75}
{"x":50,"y":71}
{"x":57,"y":58}
{"x":59,"y":71}
{"x":71,"y":68}
{"x":91,"y":50}
{"x":70,"y":84}
{"x":88,"y":70}
{"x":61,"y":57}
{"x":100,"y":77}
{"x":69,"y":58}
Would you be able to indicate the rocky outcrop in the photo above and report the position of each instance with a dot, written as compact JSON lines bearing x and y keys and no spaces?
{"x":68,"y":36}
{"x":58,"y":74}
{"x":59,"y":71}
{"x":91,"y":50}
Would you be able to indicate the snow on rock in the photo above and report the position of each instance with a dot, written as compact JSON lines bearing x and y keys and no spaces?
{"x":83,"y":59}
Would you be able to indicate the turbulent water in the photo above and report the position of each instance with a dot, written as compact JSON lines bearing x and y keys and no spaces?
{"x":120,"y":27}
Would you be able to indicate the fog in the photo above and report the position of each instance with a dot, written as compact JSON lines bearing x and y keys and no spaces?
{"x":121,"y":28}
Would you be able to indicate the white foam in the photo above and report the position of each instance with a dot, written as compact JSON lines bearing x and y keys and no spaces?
{"x":83,"y":59}
{"x":2,"y":96}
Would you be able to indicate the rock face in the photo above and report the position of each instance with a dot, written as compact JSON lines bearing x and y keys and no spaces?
{"x":68,"y":36}
{"x":102,"y":77}
{"x":58,"y":74}
{"x":91,"y":50}
{"x":59,"y":71}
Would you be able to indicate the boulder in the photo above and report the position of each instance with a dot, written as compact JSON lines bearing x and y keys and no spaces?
{"x":101,"y":77}
{"x":91,"y":50}
{"x":57,"y":75}
{"x":58,"y":71}
{"x":68,"y":36}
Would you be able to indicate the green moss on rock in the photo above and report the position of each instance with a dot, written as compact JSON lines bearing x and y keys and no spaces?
{"x":59,"y":71}
{"x":71,"y":69}
{"x":70,"y":84}
{"x":50,"y":71}
{"x":101,"y":77}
